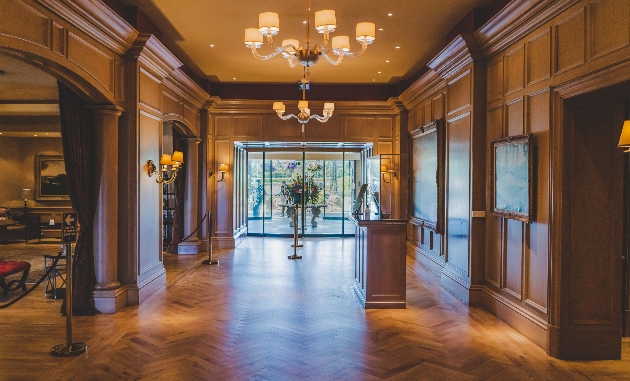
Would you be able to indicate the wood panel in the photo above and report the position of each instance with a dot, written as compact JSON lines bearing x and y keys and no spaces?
{"x":384,"y":128}
{"x":495,"y":80}
{"x":150,"y":91}
{"x":427,"y":114}
{"x":513,"y":258}
{"x":359,"y":128}
{"x":277,"y":129}
{"x":223,"y":153}
{"x":539,"y":57}
{"x":58,"y":39}
{"x":438,"y":106}
{"x":494,"y":224}
{"x":16,"y":14}
{"x":191,"y":115}
{"x":248,"y":127}
{"x":459,"y":93}
{"x":384,"y":148}
{"x":222,"y":126}
{"x":170,"y":104}
{"x":610,"y":26}
{"x":515,"y":117}
{"x":515,"y":70}
{"x":91,"y":59}
{"x":329,"y":131}
{"x":570,"y":41}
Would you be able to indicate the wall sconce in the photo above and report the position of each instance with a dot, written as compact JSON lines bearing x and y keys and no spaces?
{"x":174,"y":161}
{"x":222,"y":169}
{"x":624,"y":139}
{"x":391,"y":173}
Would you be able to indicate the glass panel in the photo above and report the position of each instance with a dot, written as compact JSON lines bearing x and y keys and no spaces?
{"x":350,"y":185}
{"x":254,"y":193}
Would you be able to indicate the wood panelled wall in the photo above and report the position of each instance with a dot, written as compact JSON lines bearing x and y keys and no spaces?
{"x":248,"y":120}
{"x":538,"y":49}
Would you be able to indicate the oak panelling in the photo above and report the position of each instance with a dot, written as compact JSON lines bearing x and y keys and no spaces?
{"x":248,"y":127}
{"x":539,"y":57}
{"x":170,"y":104}
{"x":384,"y":148}
{"x":191,"y":116}
{"x":610,"y":26}
{"x":91,"y":59}
{"x":570,"y":41}
{"x":427,"y":114}
{"x":15,"y":15}
{"x":150,"y":236}
{"x":150,"y":91}
{"x":537,"y":248}
{"x":359,"y":128}
{"x":223,"y":153}
{"x":384,"y":128}
{"x":222,"y":126}
{"x":58,"y":39}
{"x":515,"y":117}
{"x":494,"y":224}
{"x":459,"y":93}
{"x":278,"y":129}
{"x":458,"y":192}
{"x":513,"y":257}
{"x":418,"y":116}
{"x":515,"y":70}
{"x":438,"y":107}
{"x":329,"y":131}
{"x":495,"y":80}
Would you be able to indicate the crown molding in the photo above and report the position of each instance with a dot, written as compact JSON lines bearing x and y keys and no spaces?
{"x":424,"y":87}
{"x":149,"y":51}
{"x":186,"y":88}
{"x":96,"y":20}
{"x":244,"y":106}
{"x":463,"y":50}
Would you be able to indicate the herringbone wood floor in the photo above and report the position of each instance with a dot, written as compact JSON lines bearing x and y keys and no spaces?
{"x":260,"y":316}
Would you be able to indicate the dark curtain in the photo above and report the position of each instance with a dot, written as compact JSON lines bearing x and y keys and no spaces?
{"x":77,"y":140}
{"x":178,"y":213}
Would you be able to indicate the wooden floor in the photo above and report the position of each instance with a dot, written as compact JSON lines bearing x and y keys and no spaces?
{"x":260,"y":316}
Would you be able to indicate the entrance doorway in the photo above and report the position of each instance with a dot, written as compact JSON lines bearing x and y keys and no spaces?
{"x":321,"y":186}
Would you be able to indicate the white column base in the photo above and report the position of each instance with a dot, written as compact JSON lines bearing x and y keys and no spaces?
{"x":110,"y":301}
{"x":186,"y":248}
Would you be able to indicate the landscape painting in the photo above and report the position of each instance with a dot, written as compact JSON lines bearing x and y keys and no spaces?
{"x":50,"y":178}
{"x":512,"y":177}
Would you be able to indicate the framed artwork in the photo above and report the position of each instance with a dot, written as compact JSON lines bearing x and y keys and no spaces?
{"x":512,"y":177}
{"x":427,"y":163}
{"x":50,"y":178}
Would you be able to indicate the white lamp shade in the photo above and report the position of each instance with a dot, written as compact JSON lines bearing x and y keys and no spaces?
{"x":341,"y":43}
{"x":269,"y":21}
{"x":288,"y":50}
{"x":366,"y":31}
{"x":325,"y":20}
{"x":624,"y":139}
{"x":278,"y":106}
{"x":253,"y":36}
{"x":291,"y":41}
{"x":303,"y":104}
{"x":329,"y":106}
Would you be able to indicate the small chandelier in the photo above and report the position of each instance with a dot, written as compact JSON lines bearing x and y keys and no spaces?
{"x":305,"y":113}
{"x":308,"y":54}
{"x":173,"y":161}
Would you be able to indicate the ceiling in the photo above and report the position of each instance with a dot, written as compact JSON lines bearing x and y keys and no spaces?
{"x":20,"y":81}
{"x":418,"y":27}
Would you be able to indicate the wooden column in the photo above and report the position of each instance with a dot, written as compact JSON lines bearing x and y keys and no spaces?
{"x":191,"y":161}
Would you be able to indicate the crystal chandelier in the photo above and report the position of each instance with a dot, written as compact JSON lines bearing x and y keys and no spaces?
{"x":308,"y":54}
{"x":305,"y":113}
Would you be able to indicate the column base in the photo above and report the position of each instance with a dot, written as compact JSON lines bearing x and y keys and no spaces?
{"x":186,"y":248}
{"x":110,"y":301}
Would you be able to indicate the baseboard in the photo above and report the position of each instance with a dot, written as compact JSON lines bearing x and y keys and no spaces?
{"x":110,"y":301}
{"x":581,"y":344}
{"x":136,"y":294}
{"x":223,"y":243}
{"x":431,"y":262}
{"x":459,"y":287}
{"x":188,"y":248}
{"x":203,"y":246}
{"x":523,"y":321}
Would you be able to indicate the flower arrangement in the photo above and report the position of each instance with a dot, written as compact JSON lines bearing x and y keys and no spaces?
{"x":312,"y":190}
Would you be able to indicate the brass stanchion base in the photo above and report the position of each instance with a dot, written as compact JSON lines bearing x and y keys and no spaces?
{"x":294,"y":256}
{"x":62,"y":350}
{"x":298,"y":245}
{"x":210,"y":262}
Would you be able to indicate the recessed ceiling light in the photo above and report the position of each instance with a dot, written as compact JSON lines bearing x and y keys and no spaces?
{"x":386,"y":60}
{"x":398,"y":47}
{"x":303,"y":22}
{"x":0,"y":133}
{"x":379,"y":72}
{"x":390,"y":14}
{"x":234,"y":79}
{"x":212,"y":45}
{"x":380,"y":29}
{"x":373,"y":80}
{"x":35,"y":135}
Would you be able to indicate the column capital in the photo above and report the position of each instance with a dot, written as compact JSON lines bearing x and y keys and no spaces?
{"x":191,"y":141}
{"x":110,"y":110}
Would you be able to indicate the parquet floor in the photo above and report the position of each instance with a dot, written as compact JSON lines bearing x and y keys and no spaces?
{"x":260,"y":316}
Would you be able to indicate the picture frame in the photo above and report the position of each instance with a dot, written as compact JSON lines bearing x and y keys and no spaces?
{"x":428,"y":147}
{"x":511,"y":175}
{"x":50,"y":178}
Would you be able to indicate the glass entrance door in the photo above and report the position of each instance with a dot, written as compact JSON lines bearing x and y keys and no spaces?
{"x":320,"y":185}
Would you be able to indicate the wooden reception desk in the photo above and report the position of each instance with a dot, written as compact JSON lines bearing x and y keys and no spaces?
{"x":379,"y":262}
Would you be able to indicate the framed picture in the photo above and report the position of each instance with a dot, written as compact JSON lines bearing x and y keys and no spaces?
{"x":50,"y":178}
{"x":512,"y":178}
{"x":428,"y":155}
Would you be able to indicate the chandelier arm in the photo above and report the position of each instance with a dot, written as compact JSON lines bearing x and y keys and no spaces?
{"x":273,"y":44}
{"x":173,"y":177}
{"x":364,"y":46}
{"x":322,"y":119}
{"x":287,"y":117}
{"x":326,"y":40}
{"x":331,"y":60}
{"x":262,"y":58}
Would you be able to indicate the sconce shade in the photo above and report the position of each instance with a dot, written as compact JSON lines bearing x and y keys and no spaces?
{"x":223,"y":168}
{"x":26,"y":194}
{"x":329,"y":106}
{"x":366,"y":31}
{"x":383,"y":168}
{"x":166,"y":159}
{"x":253,"y":36}
{"x":178,"y":156}
{"x":624,"y":139}
{"x":325,"y":19}
{"x":341,"y":42}
{"x":269,"y":21}
{"x":278,"y":106}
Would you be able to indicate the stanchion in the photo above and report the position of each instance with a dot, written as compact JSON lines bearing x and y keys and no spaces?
{"x":70,"y":348}
{"x":209,"y":261}
{"x":296,"y":244}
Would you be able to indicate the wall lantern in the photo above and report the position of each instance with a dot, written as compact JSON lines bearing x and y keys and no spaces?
{"x":168,"y":163}
{"x":391,"y":172}
{"x":222,"y":169}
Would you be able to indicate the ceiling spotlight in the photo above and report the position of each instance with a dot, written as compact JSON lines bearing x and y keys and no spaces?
{"x":386,"y":60}
{"x":390,"y":14}
{"x":381,"y":29}
{"x":35,"y":135}
{"x":212,"y":45}
{"x":379,"y":72}
{"x":398,"y":47}
{"x":234,"y":79}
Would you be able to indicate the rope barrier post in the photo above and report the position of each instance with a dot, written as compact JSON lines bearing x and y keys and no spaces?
{"x":69,"y":235}
{"x":296,"y":244}
{"x":209,"y":261}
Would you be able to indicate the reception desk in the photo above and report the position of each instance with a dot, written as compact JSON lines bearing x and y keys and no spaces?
{"x":379,"y":262}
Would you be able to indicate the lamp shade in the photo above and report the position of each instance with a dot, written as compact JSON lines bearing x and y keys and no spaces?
{"x":25,"y":194}
{"x":325,"y":20}
{"x":166,"y":159}
{"x":253,"y":36}
{"x":341,"y":42}
{"x":278,"y":106}
{"x":303,"y":105}
{"x":223,"y":168}
{"x":383,"y":168}
{"x":328,"y":106}
{"x":269,"y":22}
{"x":178,"y":156}
{"x":624,"y":139}
{"x":366,"y":31}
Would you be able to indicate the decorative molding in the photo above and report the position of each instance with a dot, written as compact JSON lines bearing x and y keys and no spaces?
{"x":425,"y":87}
{"x":149,"y":51}
{"x":516,"y":308}
{"x":231,"y":106}
{"x":463,"y":50}
{"x":182,"y":85}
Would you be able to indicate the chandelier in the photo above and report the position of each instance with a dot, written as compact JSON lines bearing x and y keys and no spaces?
{"x":308,"y":54}
{"x":305,"y":113}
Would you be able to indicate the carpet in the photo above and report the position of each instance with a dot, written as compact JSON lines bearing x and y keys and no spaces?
{"x":32,"y":253}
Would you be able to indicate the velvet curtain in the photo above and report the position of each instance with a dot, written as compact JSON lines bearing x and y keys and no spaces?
{"x":77,"y":140}
{"x":178,"y":214}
